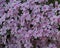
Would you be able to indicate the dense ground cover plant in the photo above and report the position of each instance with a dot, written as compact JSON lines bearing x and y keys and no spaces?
{"x":29,"y":24}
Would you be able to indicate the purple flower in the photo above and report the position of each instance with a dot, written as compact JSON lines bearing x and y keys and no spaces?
{"x":30,"y":24}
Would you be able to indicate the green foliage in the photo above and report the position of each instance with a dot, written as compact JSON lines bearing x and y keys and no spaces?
{"x":58,"y":1}
{"x":53,"y":1}
{"x":7,"y":1}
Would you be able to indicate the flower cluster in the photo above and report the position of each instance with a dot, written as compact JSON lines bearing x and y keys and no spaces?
{"x":29,"y":24}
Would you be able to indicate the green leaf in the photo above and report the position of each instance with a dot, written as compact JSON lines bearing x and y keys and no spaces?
{"x":7,"y":1}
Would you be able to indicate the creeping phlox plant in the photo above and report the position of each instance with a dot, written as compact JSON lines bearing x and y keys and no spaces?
{"x":29,"y":24}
